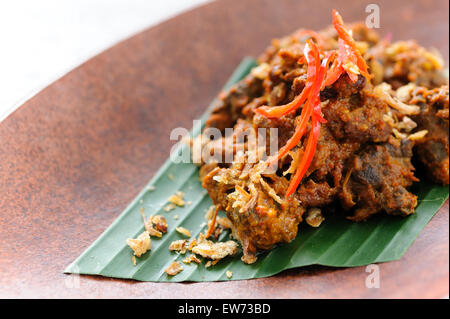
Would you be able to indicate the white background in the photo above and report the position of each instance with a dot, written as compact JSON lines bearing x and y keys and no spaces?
{"x":40,"y":40}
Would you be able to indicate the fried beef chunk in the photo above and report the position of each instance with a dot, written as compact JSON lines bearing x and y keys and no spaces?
{"x":248,"y":194}
{"x":433,"y":150}
{"x":362,"y":161}
{"x":378,"y":177}
{"x":228,"y":107}
{"x":404,"y":62}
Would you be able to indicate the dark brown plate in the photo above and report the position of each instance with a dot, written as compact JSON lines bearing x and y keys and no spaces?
{"x":67,"y":152}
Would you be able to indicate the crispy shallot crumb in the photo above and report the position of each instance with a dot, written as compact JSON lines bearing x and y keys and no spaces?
{"x":314,"y":217}
{"x":155,"y":225}
{"x":295,"y":155}
{"x":192,"y":244}
{"x":177,"y":199}
{"x":418,"y":135}
{"x":399,"y":135}
{"x":404,"y":92}
{"x":224,"y":222}
{"x":407,"y":124}
{"x":141,"y":244}
{"x":213,"y":262}
{"x":160,"y":223}
{"x":174,"y":268}
{"x":384,"y":90}
{"x":270,"y":191}
{"x":184,"y":231}
{"x":191,"y":258}
{"x":210,"y":212}
{"x":211,"y":250}
{"x":169,"y":207}
{"x":178,"y":245}
{"x":133,"y":259}
{"x":249,"y":259}
{"x":229,"y":274}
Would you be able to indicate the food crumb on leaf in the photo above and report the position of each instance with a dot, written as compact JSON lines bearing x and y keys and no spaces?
{"x":174,"y":268}
{"x":141,"y":244}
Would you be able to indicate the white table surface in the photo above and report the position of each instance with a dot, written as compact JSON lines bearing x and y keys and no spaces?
{"x":41,"y":40}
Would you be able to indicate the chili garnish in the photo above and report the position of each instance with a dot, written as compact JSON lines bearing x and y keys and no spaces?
{"x":313,"y":137}
{"x":348,"y":60}
{"x":213,"y":222}
{"x":278,"y":111}
{"x":313,"y":61}
{"x":312,"y":54}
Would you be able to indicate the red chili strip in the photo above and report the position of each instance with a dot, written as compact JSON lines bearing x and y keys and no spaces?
{"x":313,"y":137}
{"x":351,"y":51}
{"x":313,"y":58}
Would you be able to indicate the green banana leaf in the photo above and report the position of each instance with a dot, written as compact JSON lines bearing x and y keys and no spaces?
{"x":337,"y":242}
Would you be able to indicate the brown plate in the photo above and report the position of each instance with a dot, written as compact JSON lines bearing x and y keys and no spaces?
{"x":67,"y":152}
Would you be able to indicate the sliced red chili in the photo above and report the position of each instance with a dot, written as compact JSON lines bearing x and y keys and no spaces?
{"x":312,"y":55}
{"x":348,"y":60}
{"x":278,"y":111}
{"x":352,"y":53}
{"x":300,"y":130}
{"x":334,"y":73}
{"x":307,"y":158}
{"x":313,"y":60}
{"x":311,"y":144}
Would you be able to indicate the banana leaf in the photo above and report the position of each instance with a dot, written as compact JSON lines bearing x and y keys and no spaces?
{"x":337,"y":242}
